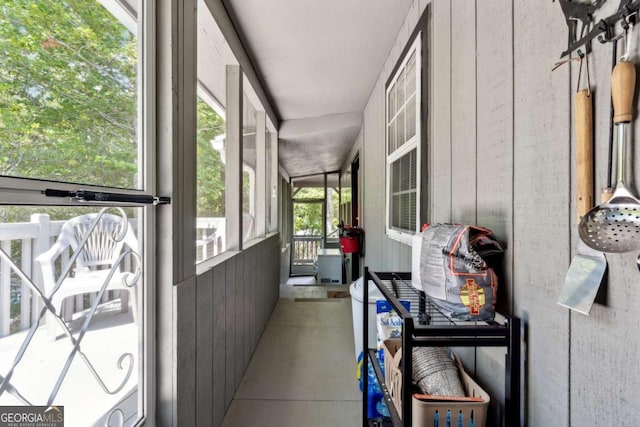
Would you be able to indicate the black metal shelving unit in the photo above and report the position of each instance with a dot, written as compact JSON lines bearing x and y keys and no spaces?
{"x":424,"y":325}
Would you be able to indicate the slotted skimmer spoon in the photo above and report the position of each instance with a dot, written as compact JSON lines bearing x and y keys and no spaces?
{"x":614,"y":226}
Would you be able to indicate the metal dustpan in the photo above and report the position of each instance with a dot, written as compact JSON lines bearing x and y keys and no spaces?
{"x":583,"y":279}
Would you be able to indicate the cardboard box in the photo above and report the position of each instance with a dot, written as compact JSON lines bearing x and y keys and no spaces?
{"x":392,"y":372}
{"x":423,"y":413}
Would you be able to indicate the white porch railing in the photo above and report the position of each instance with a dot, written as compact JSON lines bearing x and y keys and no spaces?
{"x":305,"y":254}
{"x":211,"y":237}
{"x":24,"y":241}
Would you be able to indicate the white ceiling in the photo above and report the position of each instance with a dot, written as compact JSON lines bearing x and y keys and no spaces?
{"x":319,"y":61}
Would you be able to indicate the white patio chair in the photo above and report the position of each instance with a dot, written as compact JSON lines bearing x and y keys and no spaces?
{"x":92,"y":265}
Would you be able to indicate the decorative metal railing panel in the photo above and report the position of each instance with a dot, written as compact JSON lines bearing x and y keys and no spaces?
{"x":129,"y":280}
{"x":24,"y":241}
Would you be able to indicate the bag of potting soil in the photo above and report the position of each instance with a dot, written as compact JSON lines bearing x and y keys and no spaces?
{"x":450,"y":262}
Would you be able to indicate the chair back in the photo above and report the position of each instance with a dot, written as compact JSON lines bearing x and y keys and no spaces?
{"x":101,"y":249}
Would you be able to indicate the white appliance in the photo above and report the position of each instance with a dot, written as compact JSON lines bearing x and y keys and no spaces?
{"x":329,"y":266}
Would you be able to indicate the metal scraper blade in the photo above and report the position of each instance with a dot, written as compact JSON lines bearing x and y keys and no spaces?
{"x":583,"y":279}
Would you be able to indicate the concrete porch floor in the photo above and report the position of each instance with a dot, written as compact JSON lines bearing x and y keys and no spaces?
{"x":303,"y":372}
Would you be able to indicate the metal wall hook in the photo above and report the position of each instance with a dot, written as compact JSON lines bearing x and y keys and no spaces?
{"x":605,"y":29}
{"x":627,"y":37}
{"x":575,"y":12}
{"x":626,"y":16}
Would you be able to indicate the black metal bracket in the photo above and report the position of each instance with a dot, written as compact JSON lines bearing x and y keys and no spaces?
{"x":626,"y":14}
{"x":582,"y":13}
{"x":107,"y":198}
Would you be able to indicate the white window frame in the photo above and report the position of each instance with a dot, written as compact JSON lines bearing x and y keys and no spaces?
{"x":257,"y":199}
{"x":414,"y":143}
{"x":272,"y":172}
{"x":20,"y":191}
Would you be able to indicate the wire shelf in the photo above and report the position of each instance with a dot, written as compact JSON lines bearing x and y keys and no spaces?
{"x":423,"y":310}
{"x":425,"y":325}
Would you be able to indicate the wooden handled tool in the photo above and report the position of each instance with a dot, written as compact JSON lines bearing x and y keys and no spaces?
{"x":605,"y":194}
{"x":584,"y":152}
{"x":614,"y":226}
{"x":623,"y":81}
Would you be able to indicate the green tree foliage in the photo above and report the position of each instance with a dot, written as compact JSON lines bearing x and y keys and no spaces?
{"x":307,"y":217}
{"x":67,"y":93}
{"x":68,"y":100}
{"x":210,"y":170}
{"x":307,"y":214}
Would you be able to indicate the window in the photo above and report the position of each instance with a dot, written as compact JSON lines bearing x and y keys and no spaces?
{"x":249,"y":162}
{"x":76,"y":113}
{"x":403,"y":146}
{"x":212,"y":57}
{"x":345,"y":197}
{"x":285,"y":209}
{"x":210,"y":168}
{"x":333,"y":207}
{"x":268,"y":177}
{"x":272,"y":177}
{"x":68,"y":93}
{"x":308,"y":197}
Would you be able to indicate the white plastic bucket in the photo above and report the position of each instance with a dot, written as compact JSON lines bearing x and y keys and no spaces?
{"x":357,"y":293}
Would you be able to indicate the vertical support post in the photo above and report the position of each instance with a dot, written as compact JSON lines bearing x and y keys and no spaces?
{"x":25,"y":292}
{"x":324,"y":213}
{"x":79,"y":306}
{"x":5,"y":291}
{"x":288,"y":220}
{"x":41,"y":244}
{"x":273,"y":191}
{"x":365,"y":347}
{"x":512,"y":374}
{"x":233,"y":155}
{"x":170,"y":79}
{"x":261,"y":174}
{"x":407,"y":369}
